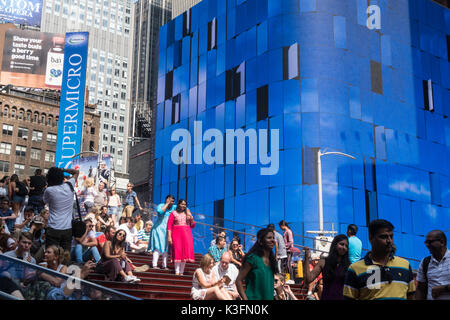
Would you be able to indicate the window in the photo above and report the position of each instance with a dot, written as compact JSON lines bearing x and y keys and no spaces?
{"x":428,"y":95}
{"x":32,"y":169}
{"x":112,"y":149}
{"x":22,"y":133}
{"x":92,"y":130}
{"x":113,"y":138}
{"x":448,"y":47}
{"x":35,"y":154}
{"x":169,"y":85}
{"x":4,"y":166}
{"x":291,"y":62}
{"x":186,"y":23}
{"x":21,"y":151}
{"x":51,"y":138}
{"x":105,"y":126}
{"x":106,"y":115}
{"x":121,"y":129}
{"x":49,"y":156}
{"x":235,"y":82}
{"x":212,"y":34}
{"x":91,"y":145}
{"x":5,"y":148}
{"x":376,"y":79}
{"x":19,"y":169}
{"x":113,"y":128}
{"x":37,"y":136}
{"x":7,"y":130}
{"x":262,"y":103}
{"x":176,"y":109}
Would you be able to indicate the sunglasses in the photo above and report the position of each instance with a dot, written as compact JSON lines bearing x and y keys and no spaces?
{"x":428,"y":242}
{"x":386,"y":274}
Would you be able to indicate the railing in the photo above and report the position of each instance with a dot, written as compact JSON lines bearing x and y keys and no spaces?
{"x":208,"y":226}
{"x":34,"y":282}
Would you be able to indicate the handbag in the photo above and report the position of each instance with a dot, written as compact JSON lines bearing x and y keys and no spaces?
{"x":78,"y":225}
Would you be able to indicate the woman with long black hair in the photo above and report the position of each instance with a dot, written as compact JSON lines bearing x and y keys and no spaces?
{"x":114,"y":261}
{"x":258,"y":269}
{"x":333,"y":268}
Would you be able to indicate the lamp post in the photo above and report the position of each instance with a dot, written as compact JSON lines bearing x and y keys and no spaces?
{"x":321,"y":232}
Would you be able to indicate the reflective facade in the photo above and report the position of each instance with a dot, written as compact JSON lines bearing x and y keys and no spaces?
{"x":327,"y":74}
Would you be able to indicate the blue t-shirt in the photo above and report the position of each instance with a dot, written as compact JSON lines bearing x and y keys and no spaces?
{"x":354,"y":249}
{"x":9,"y":222}
{"x":129,"y":199}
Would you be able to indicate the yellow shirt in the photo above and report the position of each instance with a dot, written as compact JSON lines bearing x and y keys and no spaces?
{"x":139,"y":225}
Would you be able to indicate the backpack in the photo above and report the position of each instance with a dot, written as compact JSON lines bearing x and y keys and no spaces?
{"x":23,"y":191}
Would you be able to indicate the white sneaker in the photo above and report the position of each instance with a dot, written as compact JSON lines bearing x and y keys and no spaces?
{"x":136,"y":279}
{"x":129,"y":279}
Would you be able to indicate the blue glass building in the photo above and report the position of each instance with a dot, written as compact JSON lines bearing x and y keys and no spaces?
{"x":323,"y":75}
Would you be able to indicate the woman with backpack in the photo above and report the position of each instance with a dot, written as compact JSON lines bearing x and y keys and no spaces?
{"x":17,"y":193}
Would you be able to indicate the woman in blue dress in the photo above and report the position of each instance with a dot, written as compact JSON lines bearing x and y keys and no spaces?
{"x":158,"y":237}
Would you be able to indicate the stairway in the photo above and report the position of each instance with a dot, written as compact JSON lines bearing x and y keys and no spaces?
{"x":158,"y":284}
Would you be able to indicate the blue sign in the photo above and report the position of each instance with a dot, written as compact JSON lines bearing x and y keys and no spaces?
{"x":71,"y":108}
{"x":27,"y":12}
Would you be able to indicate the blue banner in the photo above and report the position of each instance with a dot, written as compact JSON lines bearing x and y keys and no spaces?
{"x":27,"y":12}
{"x":71,"y":108}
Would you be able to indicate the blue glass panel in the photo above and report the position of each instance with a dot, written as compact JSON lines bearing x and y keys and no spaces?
{"x":276,"y":33}
{"x":292,"y":167}
{"x":293,"y":203}
{"x":292,"y":131}
{"x":202,"y":63}
{"x":345,"y":203}
{"x":275,"y":66}
{"x":230,"y":113}
{"x":359,"y":206}
{"x":250,"y":107}
{"x":220,"y":89}
{"x":291,"y":93}
{"x":276,"y":203}
{"x":251,"y":43}
{"x":240,"y":111}
{"x":201,"y":97}
{"x":262,"y":38}
{"x":307,"y":5}
{"x":310,"y":95}
{"x":240,"y":179}
{"x":193,"y":101}
{"x":274,"y":7}
{"x":231,"y":23}
{"x":179,"y":27}
{"x":276,"y":102}
{"x":186,"y":50}
{"x":340,"y":37}
{"x":389,"y":209}
{"x":310,"y":129}
{"x":211,"y":93}
{"x":170,"y":57}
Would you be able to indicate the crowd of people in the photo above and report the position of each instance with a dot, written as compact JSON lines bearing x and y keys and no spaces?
{"x":342,"y":273}
{"x":37,"y":226}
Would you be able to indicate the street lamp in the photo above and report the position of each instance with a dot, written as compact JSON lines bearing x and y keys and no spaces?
{"x":321,"y":232}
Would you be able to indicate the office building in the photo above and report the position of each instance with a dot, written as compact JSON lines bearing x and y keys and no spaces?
{"x":109,"y":23}
{"x":369,"y":79}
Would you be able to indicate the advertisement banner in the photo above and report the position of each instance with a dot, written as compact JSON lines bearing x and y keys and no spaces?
{"x":91,"y":171}
{"x":26,"y":12}
{"x":71,"y":108}
{"x":32,"y":59}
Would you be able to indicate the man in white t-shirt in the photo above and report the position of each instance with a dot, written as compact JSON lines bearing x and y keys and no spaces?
{"x":227,"y":270}
{"x":133,"y":243}
{"x":60,"y":199}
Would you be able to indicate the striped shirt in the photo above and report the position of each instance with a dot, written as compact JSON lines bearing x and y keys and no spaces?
{"x":144,"y":235}
{"x":366,"y":280}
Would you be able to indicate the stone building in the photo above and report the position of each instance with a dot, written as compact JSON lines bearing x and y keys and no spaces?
{"x":29,"y":121}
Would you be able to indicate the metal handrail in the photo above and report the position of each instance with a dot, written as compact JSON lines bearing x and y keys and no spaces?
{"x":67,"y":277}
{"x":249,"y":234}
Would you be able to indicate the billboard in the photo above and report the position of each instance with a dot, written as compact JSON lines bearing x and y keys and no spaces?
{"x":71,"y":107}
{"x":26,"y":12}
{"x":90,"y":167}
{"x":32,"y":59}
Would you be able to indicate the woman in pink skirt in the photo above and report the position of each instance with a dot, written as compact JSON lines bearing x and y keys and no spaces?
{"x":179,"y":236}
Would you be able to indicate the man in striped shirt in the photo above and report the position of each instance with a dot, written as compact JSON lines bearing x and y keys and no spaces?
{"x":380,"y":275}
{"x":144,"y":234}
